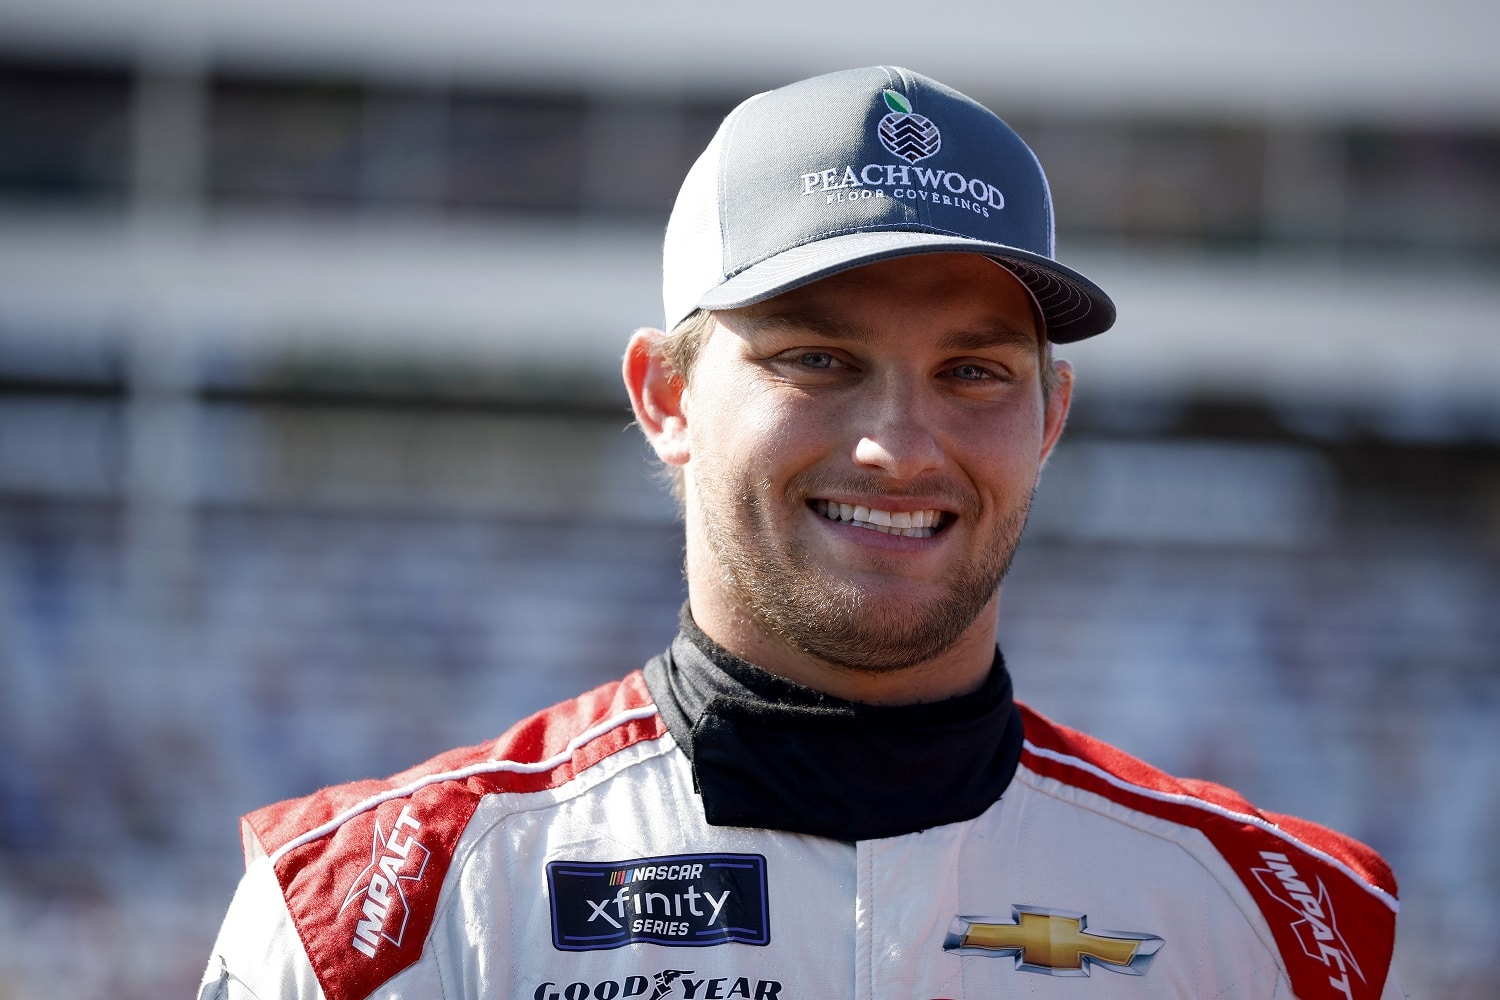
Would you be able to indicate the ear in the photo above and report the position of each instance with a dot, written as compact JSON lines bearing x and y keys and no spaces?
{"x":656,"y":395}
{"x":1058,"y":403}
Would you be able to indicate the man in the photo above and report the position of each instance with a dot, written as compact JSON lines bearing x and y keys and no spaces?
{"x":823,"y":788}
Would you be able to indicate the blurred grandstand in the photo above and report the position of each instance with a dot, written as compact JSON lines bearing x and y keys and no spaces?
{"x":313,"y":460}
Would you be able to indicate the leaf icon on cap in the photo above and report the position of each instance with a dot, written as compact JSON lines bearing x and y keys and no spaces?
{"x":905,"y":133}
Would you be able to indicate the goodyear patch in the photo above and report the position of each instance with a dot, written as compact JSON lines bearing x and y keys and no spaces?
{"x":681,"y":900}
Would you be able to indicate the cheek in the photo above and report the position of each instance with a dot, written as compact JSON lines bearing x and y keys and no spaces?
{"x":751,"y":430}
{"x":1004,"y":455}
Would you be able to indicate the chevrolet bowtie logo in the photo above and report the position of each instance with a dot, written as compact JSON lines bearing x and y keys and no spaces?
{"x":1053,"y":942}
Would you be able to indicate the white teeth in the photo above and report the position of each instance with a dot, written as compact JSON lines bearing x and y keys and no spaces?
{"x":909,"y":524}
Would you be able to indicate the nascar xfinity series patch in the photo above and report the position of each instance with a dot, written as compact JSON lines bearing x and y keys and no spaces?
{"x":681,"y":900}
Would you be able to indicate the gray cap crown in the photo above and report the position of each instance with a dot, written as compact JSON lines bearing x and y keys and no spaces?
{"x":862,"y":165}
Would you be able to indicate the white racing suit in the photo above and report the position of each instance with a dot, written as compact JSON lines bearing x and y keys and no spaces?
{"x":572,"y":860}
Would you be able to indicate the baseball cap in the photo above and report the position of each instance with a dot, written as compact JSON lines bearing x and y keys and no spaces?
{"x":862,"y":165}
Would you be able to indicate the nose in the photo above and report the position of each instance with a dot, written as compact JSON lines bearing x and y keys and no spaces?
{"x":897,"y":436}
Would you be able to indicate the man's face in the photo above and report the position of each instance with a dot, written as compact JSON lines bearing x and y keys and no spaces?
{"x":861,"y":455}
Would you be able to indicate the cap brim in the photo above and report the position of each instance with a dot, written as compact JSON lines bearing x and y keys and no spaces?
{"x":1072,"y":306}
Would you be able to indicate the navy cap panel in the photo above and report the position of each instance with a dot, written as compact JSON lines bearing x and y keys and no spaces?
{"x":786,"y":155}
{"x":837,"y":155}
{"x":979,"y":147}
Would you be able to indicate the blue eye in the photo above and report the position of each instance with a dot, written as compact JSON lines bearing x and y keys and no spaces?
{"x":817,"y":360}
{"x":970,"y":373}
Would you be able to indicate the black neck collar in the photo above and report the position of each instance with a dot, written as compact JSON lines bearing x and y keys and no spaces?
{"x":770,"y":753}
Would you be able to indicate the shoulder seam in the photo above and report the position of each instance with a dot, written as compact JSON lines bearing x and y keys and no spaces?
{"x":474,"y":835}
{"x":1175,"y":798}
{"x":482,"y":767}
{"x":1036,"y":781}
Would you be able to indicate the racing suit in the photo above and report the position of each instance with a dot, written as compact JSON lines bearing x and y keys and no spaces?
{"x":704,"y":830}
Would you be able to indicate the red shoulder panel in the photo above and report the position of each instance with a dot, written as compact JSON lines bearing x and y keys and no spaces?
{"x":362,"y":865}
{"x":1329,"y":900}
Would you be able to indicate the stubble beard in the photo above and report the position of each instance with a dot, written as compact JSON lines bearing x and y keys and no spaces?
{"x":830,"y":617}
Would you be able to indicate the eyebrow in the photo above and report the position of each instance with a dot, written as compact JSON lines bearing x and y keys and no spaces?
{"x":834,"y":328}
{"x":999,"y":335}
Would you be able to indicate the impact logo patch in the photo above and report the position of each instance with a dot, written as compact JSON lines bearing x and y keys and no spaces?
{"x":906,"y":134}
{"x":378,"y":893}
{"x":1316,"y":928}
{"x":681,"y":900}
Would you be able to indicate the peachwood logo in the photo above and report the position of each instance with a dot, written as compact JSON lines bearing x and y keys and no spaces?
{"x":909,"y":137}
{"x":906,"y":134}
{"x":1053,"y":942}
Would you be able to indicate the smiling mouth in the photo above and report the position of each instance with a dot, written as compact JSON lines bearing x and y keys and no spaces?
{"x":907,"y":523}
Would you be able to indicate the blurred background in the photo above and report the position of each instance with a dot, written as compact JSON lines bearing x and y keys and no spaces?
{"x":314,"y":461}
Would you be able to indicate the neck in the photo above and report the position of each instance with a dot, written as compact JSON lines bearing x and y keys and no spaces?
{"x":957,"y":670}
